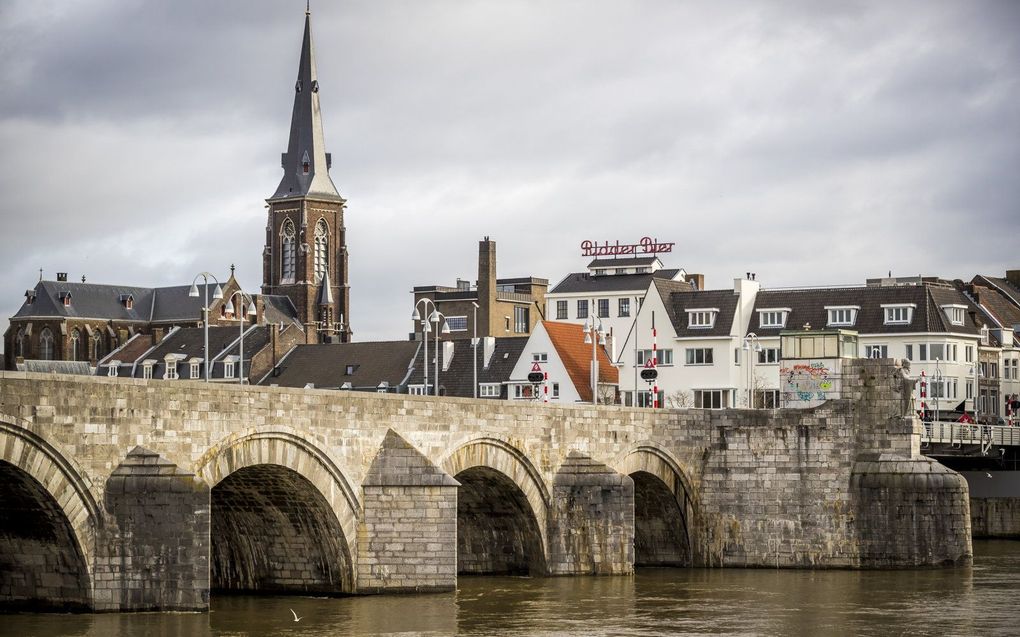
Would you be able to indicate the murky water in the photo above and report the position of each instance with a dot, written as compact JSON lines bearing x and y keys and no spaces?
{"x":981,"y":600}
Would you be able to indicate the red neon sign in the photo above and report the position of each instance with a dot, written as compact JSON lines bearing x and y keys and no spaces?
{"x":647,"y":245}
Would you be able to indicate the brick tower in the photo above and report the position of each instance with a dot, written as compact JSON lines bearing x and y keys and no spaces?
{"x":305,"y":256}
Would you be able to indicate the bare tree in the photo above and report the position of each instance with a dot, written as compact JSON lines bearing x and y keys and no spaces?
{"x":680,"y":399}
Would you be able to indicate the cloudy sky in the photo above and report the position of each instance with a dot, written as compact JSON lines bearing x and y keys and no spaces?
{"x":810,"y":142}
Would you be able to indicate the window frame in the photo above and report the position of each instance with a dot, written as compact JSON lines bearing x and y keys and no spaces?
{"x":691,"y":356}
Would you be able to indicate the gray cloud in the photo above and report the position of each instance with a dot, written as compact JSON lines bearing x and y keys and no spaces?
{"x":812,"y":143}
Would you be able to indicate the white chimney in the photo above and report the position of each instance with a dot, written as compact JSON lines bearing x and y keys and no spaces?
{"x":447,"y":354}
{"x":488,"y":349}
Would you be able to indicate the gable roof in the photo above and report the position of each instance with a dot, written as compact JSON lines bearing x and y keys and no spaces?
{"x":325,"y":366}
{"x":575,"y":354}
{"x":586,"y":282}
{"x":88,"y":300}
{"x":458,"y":378}
{"x":808,"y":306}
{"x":679,"y":297}
{"x":1009,"y":291}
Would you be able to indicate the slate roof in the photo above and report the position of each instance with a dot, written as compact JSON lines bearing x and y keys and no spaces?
{"x":1003,"y":286}
{"x":575,"y":354}
{"x":306,"y":137}
{"x":88,"y":300}
{"x":188,"y":342}
{"x":150,"y":305}
{"x":457,"y":380}
{"x":325,"y":366}
{"x":278,"y":308}
{"x":586,"y":282}
{"x":808,"y":306}
{"x":631,"y":262}
{"x":678,"y":297}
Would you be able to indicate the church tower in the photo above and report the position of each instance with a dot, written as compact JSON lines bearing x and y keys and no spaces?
{"x":305,"y":257}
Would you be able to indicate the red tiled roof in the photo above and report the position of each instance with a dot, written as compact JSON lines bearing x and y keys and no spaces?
{"x":568,"y":339}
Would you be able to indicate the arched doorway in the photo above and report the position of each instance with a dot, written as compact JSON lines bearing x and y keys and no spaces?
{"x":274,"y":532}
{"x":660,"y":529}
{"x":41,"y":563}
{"x":497,"y":532}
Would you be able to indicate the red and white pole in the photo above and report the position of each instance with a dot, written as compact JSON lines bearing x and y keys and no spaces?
{"x":545,"y":386}
{"x":655,"y":361}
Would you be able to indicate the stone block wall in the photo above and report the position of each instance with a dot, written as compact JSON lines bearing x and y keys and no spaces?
{"x":995,"y":518}
{"x":407,"y":541}
{"x":591,"y":520}
{"x":153,"y":552}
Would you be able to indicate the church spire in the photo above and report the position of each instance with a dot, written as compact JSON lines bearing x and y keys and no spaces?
{"x":306,"y":162}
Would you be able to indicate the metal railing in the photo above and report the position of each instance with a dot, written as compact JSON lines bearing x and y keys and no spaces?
{"x":960,"y":433}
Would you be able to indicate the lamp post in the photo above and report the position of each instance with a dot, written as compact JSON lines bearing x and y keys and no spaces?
{"x":937,"y":387}
{"x":217,"y":294}
{"x":474,"y":352}
{"x":242,"y":297}
{"x":435,"y":318}
{"x":752,"y":347}
{"x":425,"y":329}
{"x":594,"y":334}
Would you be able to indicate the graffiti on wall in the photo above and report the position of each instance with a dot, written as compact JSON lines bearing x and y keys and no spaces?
{"x":809,"y":383}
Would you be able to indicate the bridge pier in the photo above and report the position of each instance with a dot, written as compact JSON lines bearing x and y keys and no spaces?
{"x":152,"y":551}
{"x":407,"y":541}
{"x":591,"y":519}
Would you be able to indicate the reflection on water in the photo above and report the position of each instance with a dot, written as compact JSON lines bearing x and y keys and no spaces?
{"x":979,"y":600}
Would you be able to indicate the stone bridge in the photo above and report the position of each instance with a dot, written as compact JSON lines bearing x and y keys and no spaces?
{"x":121,"y":495}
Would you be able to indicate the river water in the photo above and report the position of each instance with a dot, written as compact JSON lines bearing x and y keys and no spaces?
{"x":980,"y":600}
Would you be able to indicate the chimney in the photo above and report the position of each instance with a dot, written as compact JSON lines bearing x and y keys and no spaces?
{"x":61,"y":276}
{"x":1013,"y":276}
{"x":486,"y":285}
{"x":488,"y":349}
{"x":697,"y":281}
{"x":447,"y":355}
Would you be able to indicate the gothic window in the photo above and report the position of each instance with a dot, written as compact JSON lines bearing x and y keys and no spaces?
{"x":46,"y":345}
{"x":97,"y":345}
{"x":75,"y":345}
{"x":288,"y":261}
{"x":20,"y":343}
{"x":321,"y":250}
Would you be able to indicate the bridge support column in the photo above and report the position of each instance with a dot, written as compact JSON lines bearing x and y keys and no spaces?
{"x":591,"y":520}
{"x":152,"y":553}
{"x":407,"y":541}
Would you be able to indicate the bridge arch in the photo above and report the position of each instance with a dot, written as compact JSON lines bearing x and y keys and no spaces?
{"x":502,"y":508}
{"x":284,"y":516}
{"x":665,"y":508}
{"x":47,"y":527}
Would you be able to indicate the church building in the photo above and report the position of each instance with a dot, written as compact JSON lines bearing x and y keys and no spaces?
{"x":305,"y":256}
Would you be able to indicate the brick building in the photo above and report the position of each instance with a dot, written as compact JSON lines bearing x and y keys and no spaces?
{"x":505,"y":307}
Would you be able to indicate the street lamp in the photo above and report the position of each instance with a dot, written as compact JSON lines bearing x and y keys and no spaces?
{"x":217,"y":294}
{"x":435,"y":318}
{"x":474,"y":351}
{"x":937,"y":386}
{"x":242,"y":297}
{"x":425,"y":329}
{"x":594,"y":334}
{"x":752,"y":347}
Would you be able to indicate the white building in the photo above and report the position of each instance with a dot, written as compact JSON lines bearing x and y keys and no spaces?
{"x":559,"y":351}
{"x":612,"y":290}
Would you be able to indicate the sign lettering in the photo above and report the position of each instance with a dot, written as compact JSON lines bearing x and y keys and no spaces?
{"x":647,"y":245}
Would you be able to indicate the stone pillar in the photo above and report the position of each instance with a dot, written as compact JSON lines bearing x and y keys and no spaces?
{"x":153,"y":551}
{"x":407,"y":541}
{"x":591,"y":520}
{"x":910,"y":513}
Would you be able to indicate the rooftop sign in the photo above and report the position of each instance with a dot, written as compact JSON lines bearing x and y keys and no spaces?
{"x":647,"y":245}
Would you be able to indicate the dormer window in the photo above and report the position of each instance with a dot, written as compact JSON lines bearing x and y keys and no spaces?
{"x":29,"y":297}
{"x":842,"y":315}
{"x":702,"y":317}
{"x":955,"y":314}
{"x":194,"y":368}
{"x":112,"y":367}
{"x":350,"y":369}
{"x":127,"y":301}
{"x":984,"y":335}
{"x":65,"y":298}
{"x":773,"y":317}
{"x":898,"y":313}
{"x":305,"y":163}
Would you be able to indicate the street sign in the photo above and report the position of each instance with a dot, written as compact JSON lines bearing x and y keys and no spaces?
{"x":650,"y":363}
{"x":536,"y":377}
{"x":649,"y":374}
{"x":535,"y":367}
